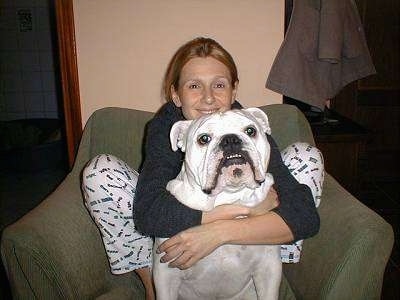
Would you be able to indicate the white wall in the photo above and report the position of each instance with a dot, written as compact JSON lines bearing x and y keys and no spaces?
{"x":124,"y":46}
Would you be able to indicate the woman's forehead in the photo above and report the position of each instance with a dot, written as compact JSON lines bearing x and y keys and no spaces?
{"x":200,"y":67}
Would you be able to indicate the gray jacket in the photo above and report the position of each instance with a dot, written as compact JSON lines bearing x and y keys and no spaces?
{"x":324,"y":49}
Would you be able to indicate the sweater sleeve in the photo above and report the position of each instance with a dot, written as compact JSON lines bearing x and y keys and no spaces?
{"x":296,"y":204}
{"x":157,"y":212}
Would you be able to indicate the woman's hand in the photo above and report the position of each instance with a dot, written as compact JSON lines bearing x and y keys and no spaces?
{"x":270,"y":202}
{"x":189,"y":246}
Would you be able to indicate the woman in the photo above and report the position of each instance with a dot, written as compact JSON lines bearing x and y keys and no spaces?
{"x":201,"y":79}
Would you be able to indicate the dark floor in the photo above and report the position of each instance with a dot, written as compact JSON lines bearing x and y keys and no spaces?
{"x":17,"y":188}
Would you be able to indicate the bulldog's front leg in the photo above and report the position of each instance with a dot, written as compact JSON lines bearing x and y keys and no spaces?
{"x":267,"y":277}
{"x":166,"y":280}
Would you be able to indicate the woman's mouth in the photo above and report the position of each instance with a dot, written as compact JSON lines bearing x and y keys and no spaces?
{"x":207,"y":112}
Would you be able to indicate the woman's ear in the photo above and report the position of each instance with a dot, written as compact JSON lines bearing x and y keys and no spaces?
{"x":175,"y":97}
{"x":234,"y":91}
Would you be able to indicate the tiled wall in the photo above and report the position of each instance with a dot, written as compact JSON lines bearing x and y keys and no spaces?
{"x":27,"y":63}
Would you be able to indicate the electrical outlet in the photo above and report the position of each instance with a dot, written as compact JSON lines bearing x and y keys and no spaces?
{"x":25,"y":20}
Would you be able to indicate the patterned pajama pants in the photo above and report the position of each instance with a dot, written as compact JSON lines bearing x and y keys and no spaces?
{"x":109,"y":186}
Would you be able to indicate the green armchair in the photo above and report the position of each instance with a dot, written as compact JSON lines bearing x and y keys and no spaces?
{"x":56,"y":252}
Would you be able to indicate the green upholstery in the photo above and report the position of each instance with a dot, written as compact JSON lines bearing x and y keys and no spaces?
{"x":56,"y":252}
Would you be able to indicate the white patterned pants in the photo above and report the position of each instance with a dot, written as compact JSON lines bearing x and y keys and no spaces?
{"x":109,"y":185}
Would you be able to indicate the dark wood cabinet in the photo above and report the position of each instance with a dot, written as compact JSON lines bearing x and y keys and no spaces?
{"x":374,"y":101}
{"x":341,"y":142}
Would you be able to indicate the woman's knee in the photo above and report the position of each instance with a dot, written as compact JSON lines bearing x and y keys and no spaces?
{"x":306,"y":164}
{"x":107,"y":176}
{"x":96,"y":174}
{"x":297,"y":153}
{"x":101,"y":162}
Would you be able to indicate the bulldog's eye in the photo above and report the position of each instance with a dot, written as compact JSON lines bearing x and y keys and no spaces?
{"x":204,"y":139}
{"x":250,"y":131}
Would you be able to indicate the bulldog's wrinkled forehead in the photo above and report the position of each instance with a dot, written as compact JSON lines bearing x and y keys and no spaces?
{"x":224,"y":122}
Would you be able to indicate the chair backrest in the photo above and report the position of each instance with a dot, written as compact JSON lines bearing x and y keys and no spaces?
{"x":288,"y":125}
{"x":120,"y":131}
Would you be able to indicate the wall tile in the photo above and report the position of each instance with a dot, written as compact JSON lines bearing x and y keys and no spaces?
{"x":26,"y":60}
{"x":11,"y":82}
{"x":14,"y":116}
{"x":15,"y":102}
{"x":8,"y":40}
{"x":28,"y":41}
{"x":42,"y":19}
{"x":46,"y":60}
{"x":29,"y":61}
{"x":50,"y":101}
{"x":49,"y":81}
{"x":7,"y":3}
{"x":9,"y":61}
{"x":8,"y":19}
{"x":44,"y":41}
{"x":34,"y":102}
{"x":31,"y":82}
{"x":51,"y":114}
{"x":34,"y":115}
{"x":41,"y":3}
{"x":21,"y":3}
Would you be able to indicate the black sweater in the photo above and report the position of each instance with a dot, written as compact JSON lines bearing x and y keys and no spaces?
{"x":160,"y":214}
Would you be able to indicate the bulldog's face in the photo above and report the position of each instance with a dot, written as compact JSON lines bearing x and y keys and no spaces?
{"x":225,"y":151}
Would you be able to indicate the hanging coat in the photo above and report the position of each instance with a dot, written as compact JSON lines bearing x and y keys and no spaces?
{"x":324,"y":49}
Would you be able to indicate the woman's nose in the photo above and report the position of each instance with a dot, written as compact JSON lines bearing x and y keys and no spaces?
{"x":209,"y":97}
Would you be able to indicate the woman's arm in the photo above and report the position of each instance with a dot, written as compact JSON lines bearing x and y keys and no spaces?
{"x":188,"y":247}
{"x":157,"y":212}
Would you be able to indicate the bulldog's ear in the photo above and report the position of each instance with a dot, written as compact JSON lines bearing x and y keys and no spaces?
{"x":261,"y":117}
{"x":177,"y":135}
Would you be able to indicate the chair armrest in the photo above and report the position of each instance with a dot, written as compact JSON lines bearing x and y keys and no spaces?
{"x":55,"y":251}
{"x":347,"y":258}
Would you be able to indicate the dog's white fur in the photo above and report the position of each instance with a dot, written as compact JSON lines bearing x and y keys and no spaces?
{"x":205,"y":181}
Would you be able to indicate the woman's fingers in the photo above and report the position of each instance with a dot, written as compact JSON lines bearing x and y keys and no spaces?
{"x":182,"y":261}
{"x":171,"y":253}
{"x":171,"y":242}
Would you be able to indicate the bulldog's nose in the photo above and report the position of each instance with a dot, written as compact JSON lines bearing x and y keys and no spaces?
{"x":230,"y":143}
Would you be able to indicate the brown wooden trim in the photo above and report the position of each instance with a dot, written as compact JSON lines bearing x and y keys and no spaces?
{"x":69,"y":76}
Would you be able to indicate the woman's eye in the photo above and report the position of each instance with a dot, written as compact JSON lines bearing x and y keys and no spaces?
{"x":193,"y":86}
{"x":250,"y":131}
{"x":220,"y":85}
{"x":204,"y":139}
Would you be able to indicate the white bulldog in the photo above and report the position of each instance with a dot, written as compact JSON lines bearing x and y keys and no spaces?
{"x":226,"y":160}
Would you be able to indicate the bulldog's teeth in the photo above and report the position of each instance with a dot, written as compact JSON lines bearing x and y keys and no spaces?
{"x":234,"y":156}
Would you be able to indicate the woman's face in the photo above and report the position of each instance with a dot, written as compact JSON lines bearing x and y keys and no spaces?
{"x":204,"y":87}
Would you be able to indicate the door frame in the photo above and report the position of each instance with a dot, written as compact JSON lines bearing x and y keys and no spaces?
{"x":69,"y":76}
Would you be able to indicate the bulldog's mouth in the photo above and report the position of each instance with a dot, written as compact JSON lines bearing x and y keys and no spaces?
{"x":233,"y":159}
{"x":236,"y":163}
